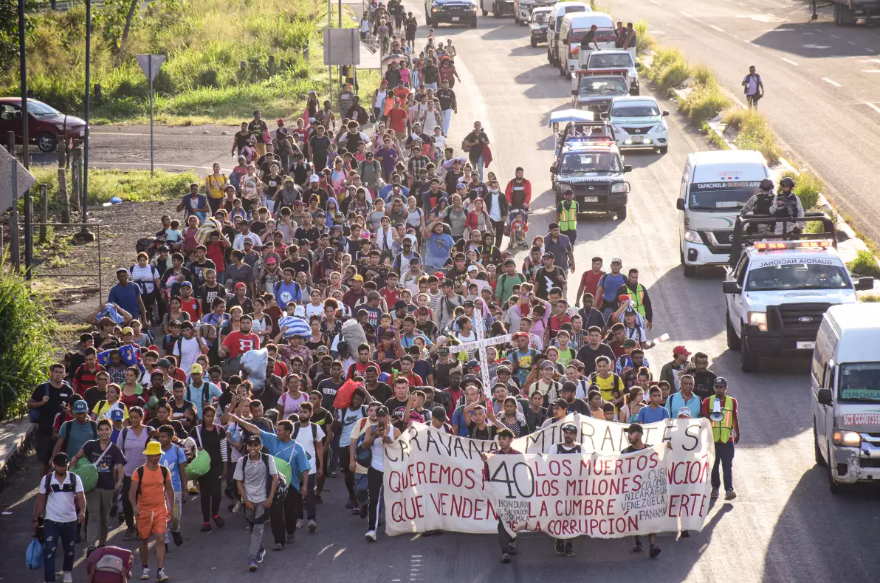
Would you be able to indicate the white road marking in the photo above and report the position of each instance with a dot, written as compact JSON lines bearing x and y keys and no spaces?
{"x":834,"y":36}
{"x":827,"y":80}
{"x":816,"y":47}
{"x":686,"y":14}
{"x":781,"y":30}
{"x":718,"y":28}
{"x":766,"y":18}
{"x":871,"y":71}
{"x":790,"y":62}
{"x":872,"y":106}
{"x":870,"y":61}
{"x":852,"y":43}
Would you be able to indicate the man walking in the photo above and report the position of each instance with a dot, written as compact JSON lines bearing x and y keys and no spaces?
{"x":152,"y":498}
{"x":566,"y":216}
{"x":753,"y":87}
{"x":257,"y":480}
{"x":68,"y":507}
{"x":634,"y":435}
{"x":725,"y":433}
{"x":507,"y":542}
{"x":568,"y":445}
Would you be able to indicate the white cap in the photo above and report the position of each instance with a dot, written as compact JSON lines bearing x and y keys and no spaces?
{"x":314,"y":178}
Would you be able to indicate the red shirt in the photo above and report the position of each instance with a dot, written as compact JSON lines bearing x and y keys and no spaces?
{"x":397,"y":120}
{"x":192,"y":307}
{"x":239,"y":343}
{"x":84,"y":378}
{"x":178,"y":375}
{"x":413,"y":379}
{"x":590,"y":281}
{"x":391,"y":296}
{"x":359,"y":369}
{"x":556,"y":324}
{"x":215,"y":254}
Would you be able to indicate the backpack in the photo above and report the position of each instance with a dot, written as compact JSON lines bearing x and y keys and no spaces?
{"x":69,"y":484}
{"x":363,"y":457}
{"x":111,"y":564}
{"x":140,"y":474}
{"x":66,"y":437}
{"x":206,"y":393}
{"x":618,"y":383}
{"x":281,"y":490}
{"x":314,"y":434}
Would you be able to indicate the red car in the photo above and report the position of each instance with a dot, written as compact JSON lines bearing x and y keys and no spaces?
{"x":46,"y":125}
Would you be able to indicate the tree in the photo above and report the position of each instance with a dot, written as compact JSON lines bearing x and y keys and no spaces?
{"x":9,"y":30}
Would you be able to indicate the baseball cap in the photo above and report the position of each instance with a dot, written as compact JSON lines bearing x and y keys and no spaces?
{"x":80,"y":407}
{"x":720,"y":382}
{"x":684,"y":412}
{"x":314,"y":178}
{"x":358,"y":277}
{"x":616,"y":260}
{"x":546,"y":364}
{"x":241,"y":284}
{"x":623,"y":298}
{"x":634,"y":428}
{"x":323,"y":349}
{"x":195,"y":369}
{"x":117,"y":415}
{"x":254,"y":440}
{"x":560,"y":404}
{"x":62,"y":459}
{"x":127,"y":330}
{"x":186,"y":284}
{"x":569,"y":427}
{"x":271,"y":260}
{"x":468,"y":304}
{"x":443,"y":350}
{"x":554,"y":226}
{"x":439,"y":413}
{"x":164,"y":363}
{"x":680,"y":350}
{"x":473,"y":268}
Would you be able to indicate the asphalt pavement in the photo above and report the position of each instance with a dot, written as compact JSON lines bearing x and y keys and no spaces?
{"x":785,"y":525}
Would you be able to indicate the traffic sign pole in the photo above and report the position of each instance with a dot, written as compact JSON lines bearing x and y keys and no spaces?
{"x":151,"y":117}
{"x":150,"y":64}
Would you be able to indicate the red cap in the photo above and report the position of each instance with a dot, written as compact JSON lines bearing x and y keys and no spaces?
{"x":623,"y":298}
{"x":271,"y":260}
{"x":242,"y":285}
{"x":680,"y":350}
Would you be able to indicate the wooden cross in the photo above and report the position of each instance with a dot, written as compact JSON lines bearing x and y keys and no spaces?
{"x":480,"y":345}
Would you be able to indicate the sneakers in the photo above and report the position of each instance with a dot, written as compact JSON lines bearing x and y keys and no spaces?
{"x":313,"y":526}
{"x":67,"y":577}
{"x":654,"y":552}
{"x":731,"y":494}
{"x":505,"y":558}
{"x":560,"y":547}
{"x":236,"y":507}
{"x":685,"y":534}
{"x":714,"y":494}
{"x":299,"y":523}
{"x":218,"y":520}
{"x":278,"y":547}
{"x":145,"y":573}
{"x":193,"y":489}
{"x":370,"y":536}
{"x":160,"y":575}
{"x":206,"y":527}
{"x":637,"y":548}
{"x":177,"y":537}
{"x":511,"y":548}
{"x":130,"y":534}
{"x":291,"y":538}
{"x":90,"y":550}
{"x":261,"y":554}
{"x":569,"y":551}
{"x":252,"y":565}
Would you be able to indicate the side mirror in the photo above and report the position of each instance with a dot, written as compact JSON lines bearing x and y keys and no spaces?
{"x":553,"y":169}
{"x":865,"y":283}
{"x":627,"y":168}
{"x":638,"y":65}
{"x":565,"y":41}
{"x":731,"y":287}
{"x":824,"y":397}
{"x":679,"y":204}
{"x":665,"y":113}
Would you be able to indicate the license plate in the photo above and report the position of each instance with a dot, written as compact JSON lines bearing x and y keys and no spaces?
{"x":806,"y":345}
{"x":638,"y":140}
{"x":455,"y":19}
{"x":591,"y":199}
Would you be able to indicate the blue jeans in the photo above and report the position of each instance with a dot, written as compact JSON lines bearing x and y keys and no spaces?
{"x":724,"y":457}
{"x":479,"y":167}
{"x":431,"y":86}
{"x":52,"y":531}
{"x":447,"y":118}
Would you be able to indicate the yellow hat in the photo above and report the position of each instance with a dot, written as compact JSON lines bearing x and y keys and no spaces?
{"x":195,"y":369}
{"x":153,"y":448}
{"x":127,"y":330}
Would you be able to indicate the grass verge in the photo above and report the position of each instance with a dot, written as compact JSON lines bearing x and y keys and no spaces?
{"x":865,"y":264}
{"x":807,"y":187}
{"x":129,"y":185}
{"x":753,"y":133}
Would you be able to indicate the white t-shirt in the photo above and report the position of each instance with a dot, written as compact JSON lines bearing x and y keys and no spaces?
{"x":188,"y":350}
{"x":313,"y":310}
{"x":305,"y":439}
{"x":61,"y":506}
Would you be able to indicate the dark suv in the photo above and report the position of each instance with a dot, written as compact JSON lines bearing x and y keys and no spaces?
{"x":451,"y":11}
{"x":46,"y":125}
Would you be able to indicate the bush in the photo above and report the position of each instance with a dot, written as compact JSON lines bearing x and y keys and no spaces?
{"x":644,"y":41}
{"x":704,"y":103}
{"x":703,"y":76}
{"x":129,"y":185}
{"x":807,"y":186}
{"x":870,"y":298}
{"x":25,"y":347}
{"x":754,"y":133}
{"x":669,"y":70}
{"x":865,"y":264}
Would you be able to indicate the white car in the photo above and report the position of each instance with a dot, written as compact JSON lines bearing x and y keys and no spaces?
{"x":638,"y":123}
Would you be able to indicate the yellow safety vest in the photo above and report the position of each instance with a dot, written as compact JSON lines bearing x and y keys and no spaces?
{"x":568,"y":218}
{"x":638,"y":299}
{"x":721,"y":429}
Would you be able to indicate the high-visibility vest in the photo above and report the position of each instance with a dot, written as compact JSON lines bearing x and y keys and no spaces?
{"x":721,"y":429}
{"x":638,"y":298}
{"x":568,"y":218}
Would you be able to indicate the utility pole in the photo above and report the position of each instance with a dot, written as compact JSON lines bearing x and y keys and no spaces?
{"x":25,"y":145}
{"x":84,"y":235}
{"x":330,"y":67}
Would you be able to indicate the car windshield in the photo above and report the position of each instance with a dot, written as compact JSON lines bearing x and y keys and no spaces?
{"x":577,"y":162}
{"x":541,"y":17}
{"x":860,"y":383}
{"x":797,"y":274}
{"x":41,"y":109}
{"x":618,"y":61}
{"x":721,"y":196}
{"x":635,"y":110}
{"x":603,"y":86}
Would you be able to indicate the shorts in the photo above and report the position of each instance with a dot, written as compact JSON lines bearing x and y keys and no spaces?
{"x":151,"y":522}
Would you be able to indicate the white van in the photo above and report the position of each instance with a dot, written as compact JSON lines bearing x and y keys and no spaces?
{"x":572,"y":30}
{"x":560,"y":9}
{"x":845,"y":382}
{"x":714,"y":187}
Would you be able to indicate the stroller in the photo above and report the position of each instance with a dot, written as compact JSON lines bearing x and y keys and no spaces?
{"x":517,"y":227}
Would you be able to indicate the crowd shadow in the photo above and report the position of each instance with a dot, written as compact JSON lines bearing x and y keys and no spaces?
{"x":820,"y":45}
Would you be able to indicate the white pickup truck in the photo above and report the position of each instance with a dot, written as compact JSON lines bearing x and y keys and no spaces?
{"x":615,"y":59}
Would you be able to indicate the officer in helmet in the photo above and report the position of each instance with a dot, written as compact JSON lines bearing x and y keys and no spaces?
{"x":759,"y":206}
{"x":787,"y":205}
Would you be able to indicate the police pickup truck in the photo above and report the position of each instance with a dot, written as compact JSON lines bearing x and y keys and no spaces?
{"x":588,"y":162}
{"x":595,"y":90}
{"x":614,"y":60}
{"x":780,"y":281}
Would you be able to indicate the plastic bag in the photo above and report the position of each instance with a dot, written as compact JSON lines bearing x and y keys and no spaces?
{"x":200,"y":465}
{"x":343,"y":395}
{"x":87,"y":473}
{"x":254,"y":363}
{"x":34,"y":555}
{"x":283,"y":467}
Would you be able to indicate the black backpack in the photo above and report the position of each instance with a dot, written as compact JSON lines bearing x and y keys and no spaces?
{"x":140,"y":474}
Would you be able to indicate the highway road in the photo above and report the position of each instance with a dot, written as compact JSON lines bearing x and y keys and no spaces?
{"x":784,"y":527}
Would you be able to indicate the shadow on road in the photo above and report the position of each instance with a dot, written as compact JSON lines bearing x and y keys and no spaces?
{"x":820,"y":44}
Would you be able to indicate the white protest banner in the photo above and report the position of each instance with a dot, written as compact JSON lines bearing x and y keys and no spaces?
{"x":435,"y":481}
{"x":570,"y":495}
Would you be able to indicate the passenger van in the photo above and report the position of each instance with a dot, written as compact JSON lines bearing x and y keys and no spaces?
{"x":714,"y":187}
{"x":845,"y":383}
{"x":572,"y":30}
{"x":560,"y":9}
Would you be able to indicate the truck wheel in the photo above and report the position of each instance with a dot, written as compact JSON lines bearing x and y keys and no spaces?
{"x":663,"y":149}
{"x":733,"y":342}
{"x":533,"y":42}
{"x":496,"y":12}
{"x":474,"y":23}
{"x":621,"y":213}
{"x":485,"y":12}
{"x":833,"y":485}
{"x":428,"y":21}
{"x":820,"y":461}
{"x":844,"y":15}
{"x":748,"y":362}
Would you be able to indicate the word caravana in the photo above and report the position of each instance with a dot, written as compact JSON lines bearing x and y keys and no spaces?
{"x":443,"y":444}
